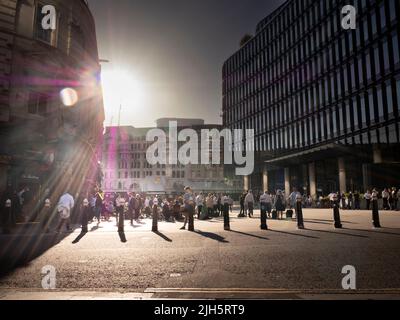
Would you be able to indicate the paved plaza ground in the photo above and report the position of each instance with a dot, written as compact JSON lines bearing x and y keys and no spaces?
{"x":283,"y":262}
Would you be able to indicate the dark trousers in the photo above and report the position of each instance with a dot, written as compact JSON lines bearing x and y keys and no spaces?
{"x":368,"y":204}
{"x":62,"y":223}
{"x":250,"y":206}
{"x":199,"y":210}
{"x":241,"y":210}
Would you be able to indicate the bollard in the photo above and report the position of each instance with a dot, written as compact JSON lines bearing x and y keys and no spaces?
{"x":191,"y":218}
{"x":155,"y":219}
{"x":264,"y":225}
{"x":227,"y":225}
{"x":336,"y":212}
{"x":120,"y":213}
{"x":375,"y":210}
{"x":299,"y":212}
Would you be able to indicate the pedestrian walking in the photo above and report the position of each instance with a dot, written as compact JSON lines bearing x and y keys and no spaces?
{"x":64,"y":207}
{"x":188,"y":204}
{"x":249,"y":202}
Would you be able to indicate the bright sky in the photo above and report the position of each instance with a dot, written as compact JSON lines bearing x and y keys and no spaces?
{"x":166,"y":56}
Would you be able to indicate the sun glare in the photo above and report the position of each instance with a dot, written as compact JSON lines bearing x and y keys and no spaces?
{"x":122,"y":88}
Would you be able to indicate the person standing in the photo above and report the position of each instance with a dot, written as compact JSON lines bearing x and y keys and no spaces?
{"x":230,"y":204}
{"x":249,"y":203}
{"x":292,"y":199}
{"x":397,"y":198}
{"x":393,"y":199}
{"x":368,"y":197}
{"x":343,"y":201}
{"x":64,"y":207}
{"x":98,"y":205}
{"x":215,"y":205}
{"x":188,"y":203}
{"x":210,"y":206}
{"x":199,"y":204}
{"x":385,"y":198}
{"x":350,"y":199}
{"x":356,"y":200}
{"x":279,"y":204}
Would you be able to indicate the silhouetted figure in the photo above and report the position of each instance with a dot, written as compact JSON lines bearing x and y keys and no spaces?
{"x":375,"y":210}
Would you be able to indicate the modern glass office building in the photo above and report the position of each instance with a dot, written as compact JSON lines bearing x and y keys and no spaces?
{"x":324,"y":101}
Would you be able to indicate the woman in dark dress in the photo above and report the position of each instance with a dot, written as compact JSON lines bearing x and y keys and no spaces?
{"x":279,"y":204}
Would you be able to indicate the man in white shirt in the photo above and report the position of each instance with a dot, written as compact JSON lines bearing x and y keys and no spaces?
{"x":64,"y":207}
{"x":249,"y":201}
{"x":368,"y":197}
{"x":199,"y":204}
{"x":266,"y":203}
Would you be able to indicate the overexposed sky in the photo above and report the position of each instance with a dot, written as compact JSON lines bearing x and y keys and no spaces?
{"x":166,"y":56}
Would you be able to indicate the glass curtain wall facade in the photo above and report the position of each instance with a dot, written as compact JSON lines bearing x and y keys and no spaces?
{"x":304,"y":82}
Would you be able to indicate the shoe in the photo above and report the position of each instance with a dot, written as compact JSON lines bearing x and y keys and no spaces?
{"x":183,"y":228}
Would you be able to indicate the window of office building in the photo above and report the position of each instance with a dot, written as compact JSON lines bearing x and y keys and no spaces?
{"x":380,"y":103}
{"x":371,"y":106}
{"x":389,"y":99}
{"x":396,"y":49}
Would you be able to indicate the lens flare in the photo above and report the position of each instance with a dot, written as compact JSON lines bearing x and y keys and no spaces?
{"x":69,"y":97}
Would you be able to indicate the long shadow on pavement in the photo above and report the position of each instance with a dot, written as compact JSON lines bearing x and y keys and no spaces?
{"x":339,"y":233}
{"x":250,"y":235}
{"x":79,"y":238}
{"x":212,"y":236}
{"x":376,"y":231}
{"x":293,"y":234}
{"x":19,"y":249}
{"x":162,"y":236}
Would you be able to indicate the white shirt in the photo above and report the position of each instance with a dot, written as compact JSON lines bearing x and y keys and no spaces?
{"x":155,"y":201}
{"x":225,"y":200}
{"x":265,"y":198}
{"x":367,"y":196}
{"x":66,"y":201}
{"x":199,"y":200}
{"x":249,"y":198}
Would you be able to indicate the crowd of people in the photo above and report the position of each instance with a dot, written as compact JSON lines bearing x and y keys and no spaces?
{"x":96,"y":207}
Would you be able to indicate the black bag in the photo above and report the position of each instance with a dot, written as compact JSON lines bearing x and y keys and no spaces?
{"x":289,"y":214}
{"x":274,"y":214}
